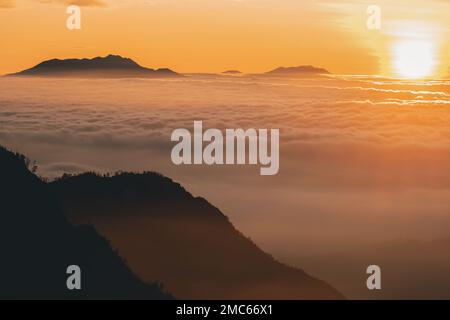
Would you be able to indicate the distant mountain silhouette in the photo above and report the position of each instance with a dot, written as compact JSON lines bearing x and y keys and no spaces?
{"x":37,"y":244}
{"x":200,"y":254}
{"x":111,"y":66}
{"x":232,"y":72}
{"x":293,"y":71}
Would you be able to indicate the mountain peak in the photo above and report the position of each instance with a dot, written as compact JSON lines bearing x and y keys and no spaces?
{"x":299,"y":70}
{"x":232,"y":72}
{"x":110,"y":66}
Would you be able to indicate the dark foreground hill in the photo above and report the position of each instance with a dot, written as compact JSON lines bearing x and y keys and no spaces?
{"x":111,"y":66}
{"x":200,"y":255}
{"x":37,"y":244}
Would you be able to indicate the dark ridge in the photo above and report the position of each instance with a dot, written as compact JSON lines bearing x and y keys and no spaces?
{"x":200,"y":253}
{"x":37,"y":245}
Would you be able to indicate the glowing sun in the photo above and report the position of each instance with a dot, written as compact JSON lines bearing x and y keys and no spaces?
{"x":414,"y":59}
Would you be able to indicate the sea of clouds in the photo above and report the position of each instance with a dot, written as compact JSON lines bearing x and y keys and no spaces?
{"x":362,"y":159}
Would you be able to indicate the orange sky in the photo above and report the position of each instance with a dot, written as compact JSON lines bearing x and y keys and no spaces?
{"x":248,"y":35}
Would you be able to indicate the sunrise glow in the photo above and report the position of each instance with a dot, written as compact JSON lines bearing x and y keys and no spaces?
{"x":414,"y":59}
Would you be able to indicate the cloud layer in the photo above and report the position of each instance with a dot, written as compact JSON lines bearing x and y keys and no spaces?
{"x":359,"y":156}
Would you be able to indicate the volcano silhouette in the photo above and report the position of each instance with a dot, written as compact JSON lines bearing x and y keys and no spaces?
{"x":111,"y":66}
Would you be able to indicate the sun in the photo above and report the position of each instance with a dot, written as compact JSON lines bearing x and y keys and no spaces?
{"x":414,"y":59}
